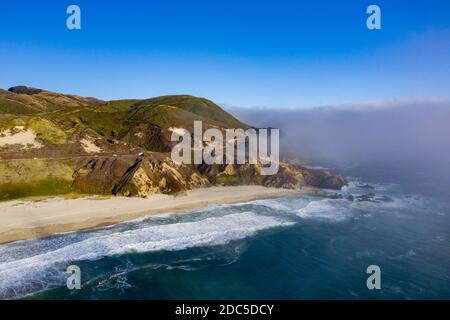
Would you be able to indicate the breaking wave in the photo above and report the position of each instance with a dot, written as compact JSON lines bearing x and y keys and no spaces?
{"x":326,"y":209}
{"x":46,"y":269}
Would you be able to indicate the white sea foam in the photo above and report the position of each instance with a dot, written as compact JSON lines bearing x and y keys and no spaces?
{"x":271,"y":203}
{"x":326,"y":209}
{"x":20,"y":276}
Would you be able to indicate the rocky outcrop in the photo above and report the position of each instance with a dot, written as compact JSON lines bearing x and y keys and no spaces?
{"x":156,"y":173}
{"x":371,"y":197}
{"x":135,"y":176}
{"x":323,"y":179}
{"x":289,"y":176}
{"x":150,"y":137}
{"x":24,"y":90}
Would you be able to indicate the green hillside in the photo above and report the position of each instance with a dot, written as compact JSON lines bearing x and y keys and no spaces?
{"x":204,"y":108}
{"x":144,"y":123}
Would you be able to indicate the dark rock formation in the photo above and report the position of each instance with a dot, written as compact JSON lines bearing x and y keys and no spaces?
{"x":350,"y":197}
{"x":323,"y":179}
{"x":365,"y":186}
{"x":366,"y":197}
{"x":24,"y":90}
{"x":384,"y":199}
{"x":371,"y":197}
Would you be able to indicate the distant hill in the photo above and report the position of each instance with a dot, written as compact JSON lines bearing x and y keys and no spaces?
{"x":26,"y":100}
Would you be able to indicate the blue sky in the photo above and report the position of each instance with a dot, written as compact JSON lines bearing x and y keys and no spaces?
{"x":289,"y":54}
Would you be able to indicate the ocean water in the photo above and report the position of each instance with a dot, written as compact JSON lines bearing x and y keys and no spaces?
{"x":297,"y":247}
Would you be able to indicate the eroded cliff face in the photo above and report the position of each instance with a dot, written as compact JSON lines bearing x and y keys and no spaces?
{"x":145,"y":175}
{"x":135,"y":176}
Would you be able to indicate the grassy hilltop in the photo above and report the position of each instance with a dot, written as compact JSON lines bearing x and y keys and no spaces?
{"x":52,"y":143}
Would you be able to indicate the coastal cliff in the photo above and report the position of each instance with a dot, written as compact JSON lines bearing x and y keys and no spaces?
{"x":52,"y":144}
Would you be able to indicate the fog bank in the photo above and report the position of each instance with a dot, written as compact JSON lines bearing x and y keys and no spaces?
{"x":407,"y":134}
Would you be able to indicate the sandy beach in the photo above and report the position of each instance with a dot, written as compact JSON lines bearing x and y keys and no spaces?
{"x":26,"y":219}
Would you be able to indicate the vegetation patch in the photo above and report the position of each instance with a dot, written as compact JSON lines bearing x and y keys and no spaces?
{"x":107,"y":124}
{"x":47,"y":131}
{"x":14,"y":107}
{"x":45,"y":187}
{"x":33,"y":169}
{"x":25,"y":178}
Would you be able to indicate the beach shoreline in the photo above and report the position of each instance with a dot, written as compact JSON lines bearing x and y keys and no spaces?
{"x":27,"y":219}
